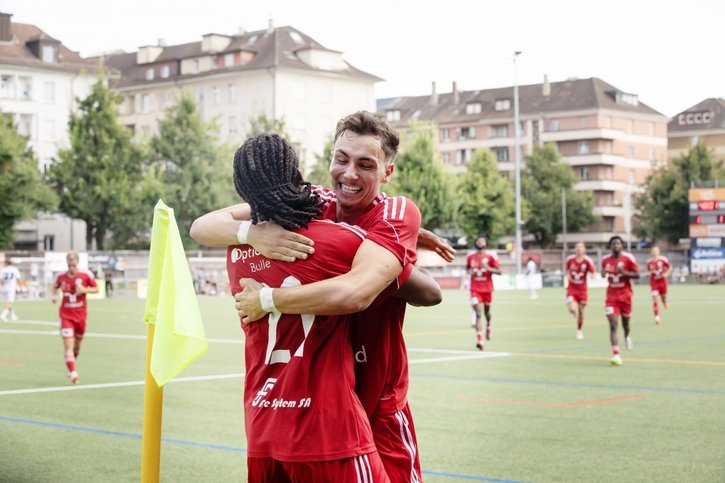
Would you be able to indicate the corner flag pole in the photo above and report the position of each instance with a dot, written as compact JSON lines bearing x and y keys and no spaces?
{"x":152,"y":412}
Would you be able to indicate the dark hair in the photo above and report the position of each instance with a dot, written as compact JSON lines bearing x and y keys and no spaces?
{"x":482,"y":235}
{"x":267,"y":176}
{"x":368,"y":124}
{"x":615,"y":237}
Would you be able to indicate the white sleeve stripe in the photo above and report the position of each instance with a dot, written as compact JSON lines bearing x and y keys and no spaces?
{"x":362,"y":470}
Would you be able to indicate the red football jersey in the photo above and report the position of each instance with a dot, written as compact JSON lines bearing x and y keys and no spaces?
{"x":577,"y":272}
{"x":481,"y":279}
{"x":381,"y":368}
{"x":73,"y":307}
{"x":657,"y":268}
{"x":619,"y":287}
{"x":299,"y":390}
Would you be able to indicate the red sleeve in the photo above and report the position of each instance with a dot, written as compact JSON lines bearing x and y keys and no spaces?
{"x":57,"y":282}
{"x":90,"y":281}
{"x":494,"y":262}
{"x":394,"y":224}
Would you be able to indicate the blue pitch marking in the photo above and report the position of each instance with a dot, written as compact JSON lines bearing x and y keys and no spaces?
{"x":222,"y":447}
{"x":686,"y":390}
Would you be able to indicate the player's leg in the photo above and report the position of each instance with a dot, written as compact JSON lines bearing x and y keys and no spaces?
{"x":79,"y":329}
{"x":655,"y":305}
{"x":663,"y":295}
{"x":581,"y":305}
{"x":266,"y":470}
{"x":477,"y":308}
{"x":363,"y":468}
{"x":8,"y":307}
{"x":487,"y":313}
{"x":397,"y":445}
{"x":626,"y":311}
{"x":573,"y":307}
{"x":67,"y":334}
{"x":613,"y":319}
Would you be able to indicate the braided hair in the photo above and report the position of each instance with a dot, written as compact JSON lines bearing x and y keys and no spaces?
{"x":267,"y":176}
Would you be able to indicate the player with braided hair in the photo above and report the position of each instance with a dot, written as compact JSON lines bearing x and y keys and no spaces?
{"x":292,"y":435}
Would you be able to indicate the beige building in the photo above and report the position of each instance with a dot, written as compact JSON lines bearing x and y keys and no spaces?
{"x":704,"y":122}
{"x":39,"y":81}
{"x":610,"y":139}
{"x":279,"y":72}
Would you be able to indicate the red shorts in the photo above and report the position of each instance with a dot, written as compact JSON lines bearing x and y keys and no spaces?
{"x":617,"y":307}
{"x":481,"y":297}
{"x":363,"y":468}
{"x":658,"y":287}
{"x":397,"y":444}
{"x":72,"y":328}
{"x":578,"y":296}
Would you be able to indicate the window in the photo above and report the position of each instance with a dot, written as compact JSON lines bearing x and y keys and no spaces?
{"x":49,"y":243}
{"x":392,"y":115}
{"x":49,"y":92}
{"x":137,"y":104}
{"x":26,"y":88}
{"x":252,"y":39}
{"x":468,"y":132}
{"x":473,"y":108}
{"x":216,"y":95}
{"x":627,"y":99}
{"x":25,"y":125}
{"x":200,"y":96}
{"x":228,"y":60}
{"x":446,"y":158}
{"x":631,"y":151}
{"x":502,"y":104}
{"x":195,"y":66}
{"x":445,"y":135}
{"x":232,"y":125}
{"x":7,"y":87}
{"x":296,"y":37}
{"x":554,"y":125}
{"x":150,"y":74}
{"x":47,"y":54}
{"x":500,"y":131}
{"x":583,"y":147}
{"x":232,"y":93}
{"x":502,"y":154}
{"x":148,"y":103}
{"x":168,"y":99}
{"x":584,"y":173}
{"x":165,"y":71}
{"x":299,"y":91}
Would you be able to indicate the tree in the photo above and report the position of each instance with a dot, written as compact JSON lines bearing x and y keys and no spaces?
{"x":486,"y":198}
{"x":195,"y":170}
{"x":22,"y":190}
{"x":420,"y":176}
{"x":664,"y":206}
{"x":101,"y":176}
{"x":541,"y":184}
{"x":320,"y":172}
{"x":261,"y":124}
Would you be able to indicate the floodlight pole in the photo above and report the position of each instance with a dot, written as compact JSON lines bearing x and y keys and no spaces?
{"x":519,"y":222}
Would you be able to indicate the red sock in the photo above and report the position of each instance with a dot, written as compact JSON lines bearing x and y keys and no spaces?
{"x":75,"y":353}
{"x":656,"y":308}
{"x":70,"y":362}
{"x":479,"y":336}
{"x":580,"y":322}
{"x":615,"y":350}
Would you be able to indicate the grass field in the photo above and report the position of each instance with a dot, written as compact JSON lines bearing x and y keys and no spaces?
{"x":539,"y":406}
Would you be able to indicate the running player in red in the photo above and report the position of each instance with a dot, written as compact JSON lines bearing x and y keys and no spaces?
{"x":482,"y":265}
{"x":578,"y":268}
{"x":619,"y":267}
{"x":74,"y":286}
{"x":658,"y":270}
{"x":300,"y":427}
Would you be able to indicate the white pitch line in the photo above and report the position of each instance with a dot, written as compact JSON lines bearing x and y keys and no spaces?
{"x":102,"y":335}
{"x":115,"y":384}
{"x":485,"y":355}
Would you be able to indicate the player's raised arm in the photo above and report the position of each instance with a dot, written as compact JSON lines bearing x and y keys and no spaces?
{"x":231,"y":226}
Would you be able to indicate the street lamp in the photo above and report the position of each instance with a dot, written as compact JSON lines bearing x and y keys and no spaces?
{"x":518,"y":168}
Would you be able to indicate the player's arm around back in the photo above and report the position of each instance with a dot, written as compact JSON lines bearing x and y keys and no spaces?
{"x":373,"y":269}
{"x":221,"y":228}
{"x":420,"y":290}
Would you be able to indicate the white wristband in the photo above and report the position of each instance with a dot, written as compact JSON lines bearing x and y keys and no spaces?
{"x":243,"y":231}
{"x":266,"y":300}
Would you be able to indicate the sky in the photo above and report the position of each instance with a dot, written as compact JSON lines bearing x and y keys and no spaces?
{"x":670,"y":53}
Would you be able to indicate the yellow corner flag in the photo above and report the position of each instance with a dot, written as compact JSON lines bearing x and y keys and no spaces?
{"x":171,"y":302}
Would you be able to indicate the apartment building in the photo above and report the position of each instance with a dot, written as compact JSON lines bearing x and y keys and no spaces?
{"x":39,"y":81}
{"x":610,"y":138}
{"x":281,"y":73}
{"x":705,"y":121}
